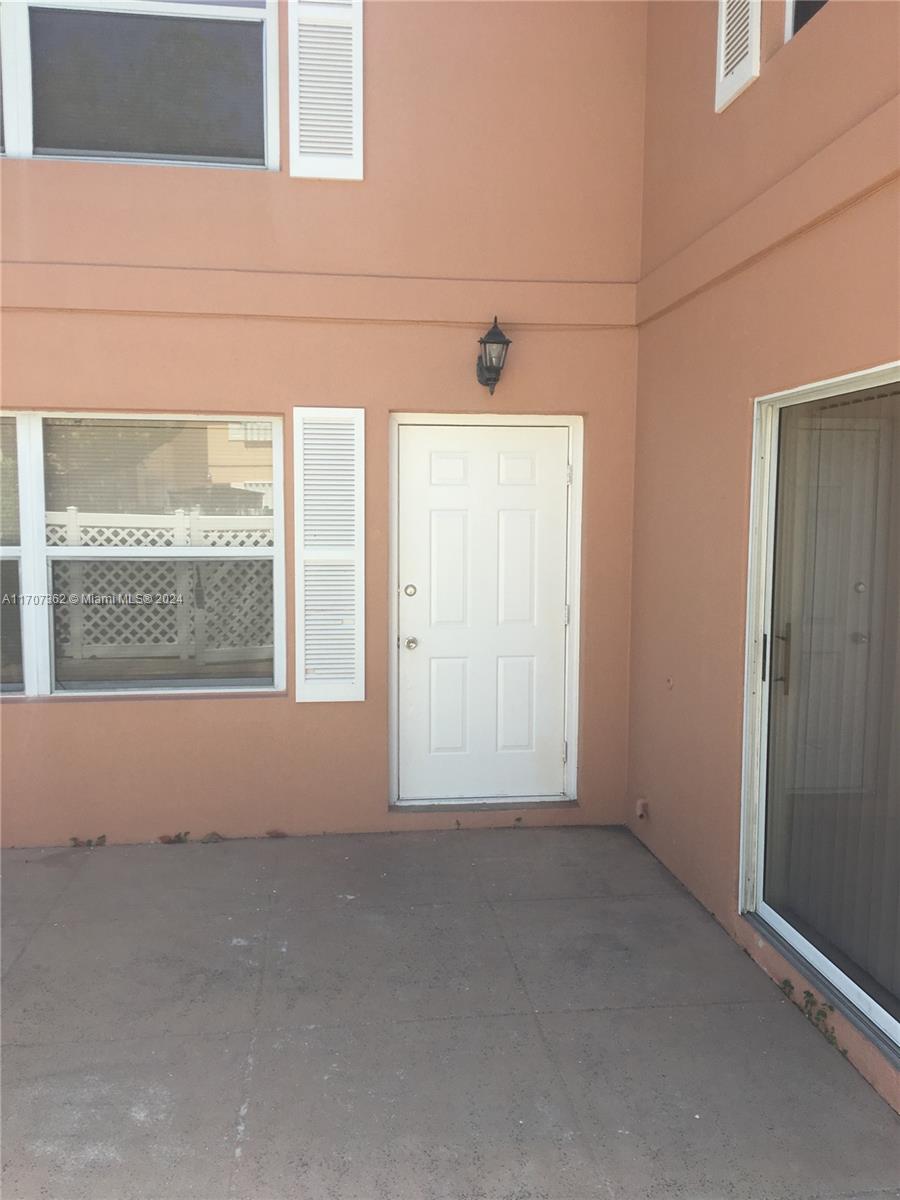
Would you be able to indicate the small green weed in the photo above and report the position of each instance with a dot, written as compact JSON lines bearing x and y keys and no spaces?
{"x":816,"y":1012}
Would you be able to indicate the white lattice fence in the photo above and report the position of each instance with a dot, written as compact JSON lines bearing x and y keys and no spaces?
{"x":181,"y":528}
{"x":224,"y":613}
{"x":238,"y":608}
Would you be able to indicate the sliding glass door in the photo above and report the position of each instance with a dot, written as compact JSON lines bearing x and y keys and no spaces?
{"x":830,"y":854}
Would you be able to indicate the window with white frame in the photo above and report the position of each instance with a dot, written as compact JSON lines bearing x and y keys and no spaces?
{"x":134,"y":557}
{"x":797,"y":13}
{"x":178,"y":81}
{"x":11,"y":678}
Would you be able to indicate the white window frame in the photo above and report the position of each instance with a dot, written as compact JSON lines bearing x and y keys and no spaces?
{"x":789,"y":31}
{"x":13,"y":553}
{"x":788,"y":20}
{"x":15,"y":48}
{"x":575,"y":427}
{"x":35,"y":557}
{"x":325,"y":166}
{"x":756,"y":689}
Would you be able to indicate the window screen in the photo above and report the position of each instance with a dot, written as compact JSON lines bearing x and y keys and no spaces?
{"x":832,"y":863}
{"x":147,"y":86}
{"x":805,"y":10}
{"x":162,"y":623}
{"x":9,"y":483}
{"x":154,"y":483}
{"x":155,"y":619}
{"x":11,"y":677}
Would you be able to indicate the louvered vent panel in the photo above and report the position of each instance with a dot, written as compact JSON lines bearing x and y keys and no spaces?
{"x":329,"y":481}
{"x":329,"y":621}
{"x":325,"y":83}
{"x":737,"y":35}
{"x":737,"y":53}
{"x":329,"y":458}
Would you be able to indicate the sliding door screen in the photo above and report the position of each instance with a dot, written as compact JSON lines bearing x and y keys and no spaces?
{"x":832,"y":837}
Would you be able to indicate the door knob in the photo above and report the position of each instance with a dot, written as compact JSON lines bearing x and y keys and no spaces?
{"x":411,"y":643}
{"x":410,"y":589}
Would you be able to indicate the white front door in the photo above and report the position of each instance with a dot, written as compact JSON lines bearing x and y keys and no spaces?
{"x":482,"y":611}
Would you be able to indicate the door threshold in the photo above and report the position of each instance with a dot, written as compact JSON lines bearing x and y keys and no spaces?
{"x":477,"y":803}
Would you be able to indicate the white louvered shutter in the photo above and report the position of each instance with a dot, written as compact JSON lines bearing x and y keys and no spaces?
{"x":326,"y":86}
{"x":737,"y":53}
{"x":329,"y":490}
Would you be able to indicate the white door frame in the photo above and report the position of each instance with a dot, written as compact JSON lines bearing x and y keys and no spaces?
{"x":758,"y":648}
{"x":575,"y":426}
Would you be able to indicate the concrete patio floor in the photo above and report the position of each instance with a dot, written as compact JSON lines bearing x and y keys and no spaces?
{"x":492,"y":1015}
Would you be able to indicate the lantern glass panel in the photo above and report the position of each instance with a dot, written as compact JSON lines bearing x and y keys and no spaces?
{"x":494,"y":353}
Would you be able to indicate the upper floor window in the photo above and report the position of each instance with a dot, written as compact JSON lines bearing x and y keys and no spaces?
{"x":797,"y":13}
{"x":148,"y":80}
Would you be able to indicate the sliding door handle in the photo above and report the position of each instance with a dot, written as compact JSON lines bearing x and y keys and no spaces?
{"x":785,"y":639}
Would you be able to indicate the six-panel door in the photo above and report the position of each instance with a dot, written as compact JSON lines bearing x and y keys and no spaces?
{"x":482,"y":611}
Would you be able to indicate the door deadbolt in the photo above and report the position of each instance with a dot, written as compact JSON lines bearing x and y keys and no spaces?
{"x":411,"y":643}
{"x":410,"y":589}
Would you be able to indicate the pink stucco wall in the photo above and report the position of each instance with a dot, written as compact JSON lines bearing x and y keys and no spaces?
{"x":502,"y":141}
{"x":136,"y":768}
{"x":771,"y":246}
{"x":194,"y":290}
{"x":657,"y":265}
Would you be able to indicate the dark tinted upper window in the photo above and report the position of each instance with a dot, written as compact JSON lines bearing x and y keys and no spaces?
{"x":144,"y":86}
{"x":804,"y":10}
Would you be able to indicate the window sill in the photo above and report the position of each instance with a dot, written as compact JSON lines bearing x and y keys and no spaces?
{"x":148,"y":694}
{"x":137,"y":162}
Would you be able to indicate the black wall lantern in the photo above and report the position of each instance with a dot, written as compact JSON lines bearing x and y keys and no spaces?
{"x":489,"y":365}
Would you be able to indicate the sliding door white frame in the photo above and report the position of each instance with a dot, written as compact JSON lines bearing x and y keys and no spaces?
{"x":758,"y":673}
